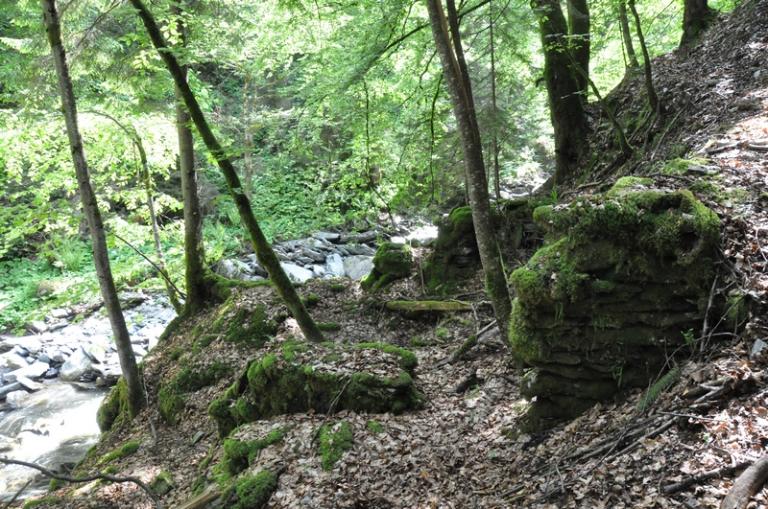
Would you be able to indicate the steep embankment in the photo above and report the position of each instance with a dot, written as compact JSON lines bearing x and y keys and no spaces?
{"x":443,"y":432}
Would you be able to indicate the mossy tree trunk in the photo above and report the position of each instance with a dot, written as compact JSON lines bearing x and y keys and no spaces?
{"x":264,"y":252}
{"x":566,"y":107}
{"x":626,"y":36}
{"x":198,"y":286}
{"x":448,"y":44}
{"x":90,"y":207}
{"x":653,"y":98}
{"x":578,"y":30}
{"x":696,"y":16}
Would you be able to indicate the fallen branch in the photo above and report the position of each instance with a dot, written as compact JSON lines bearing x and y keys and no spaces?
{"x":703,"y":477}
{"x":100,"y":476}
{"x":746,"y":485}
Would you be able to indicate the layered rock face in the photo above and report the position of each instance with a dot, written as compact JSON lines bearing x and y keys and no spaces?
{"x":621,"y":284}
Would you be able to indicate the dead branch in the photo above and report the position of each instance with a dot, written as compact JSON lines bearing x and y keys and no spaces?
{"x":746,"y":485}
{"x":703,"y":477}
{"x":93,"y":477}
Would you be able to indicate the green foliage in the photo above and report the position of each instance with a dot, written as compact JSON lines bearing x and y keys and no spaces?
{"x":374,"y":426}
{"x":162,"y":483}
{"x":114,"y":408}
{"x":658,"y":388}
{"x":334,"y":440}
{"x":170,"y":397}
{"x":42,"y":501}
{"x":240,"y":454}
{"x":254,"y":491}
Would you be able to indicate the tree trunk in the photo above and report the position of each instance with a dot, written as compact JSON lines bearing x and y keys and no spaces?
{"x":248,"y":96}
{"x":626,"y":36}
{"x":696,"y":17}
{"x":90,"y":208}
{"x":578,"y":30}
{"x":194,"y":268}
{"x":653,"y":99}
{"x":495,"y":110}
{"x":566,"y":107}
{"x":264,"y":252}
{"x":459,"y":85}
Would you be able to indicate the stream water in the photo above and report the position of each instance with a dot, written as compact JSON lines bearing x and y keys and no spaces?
{"x":56,"y":425}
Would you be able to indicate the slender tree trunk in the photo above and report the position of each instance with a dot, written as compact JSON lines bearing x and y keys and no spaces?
{"x":696,"y":17}
{"x":194,"y":268}
{"x":566,"y":107}
{"x":146,"y":178}
{"x":248,"y":135}
{"x":459,"y":85}
{"x":578,"y":30}
{"x":264,"y":252}
{"x":495,"y":131}
{"x":653,"y":99}
{"x":128,"y":365}
{"x":626,"y":35}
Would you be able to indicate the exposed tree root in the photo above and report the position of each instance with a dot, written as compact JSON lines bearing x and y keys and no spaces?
{"x":746,"y":485}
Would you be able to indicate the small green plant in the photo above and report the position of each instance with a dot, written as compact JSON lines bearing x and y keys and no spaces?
{"x":658,"y":388}
{"x":374,"y":427}
{"x":124,"y":450}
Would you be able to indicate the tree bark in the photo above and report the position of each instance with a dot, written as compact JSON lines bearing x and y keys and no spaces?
{"x":495,"y":110}
{"x":566,"y":107}
{"x":459,"y":86}
{"x":198,"y":293}
{"x":696,"y":17}
{"x":578,"y":30}
{"x":125,"y":354}
{"x":626,"y":36}
{"x":264,"y":252}
{"x":653,"y":99}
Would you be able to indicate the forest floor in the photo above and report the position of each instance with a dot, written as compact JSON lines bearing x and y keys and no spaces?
{"x":463,"y":450}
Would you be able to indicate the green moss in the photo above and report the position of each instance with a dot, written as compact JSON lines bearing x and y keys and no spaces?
{"x":628,"y":184}
{"x":162,"y":484}
{"x":274,"y":385}
{"x":291,"y":348}
{"x":170,"y":404}
{"x":311,"y":300}
{"x":191,"y":379}
{"x":124,"y":450}
{"x":329,"y":326}
{"x":337,"y":287}
{"x":244,"y":326}
{"x":442,"y":333}
{"x":37,"y":502}
{"x":407,"y":358}
{"x":239,"y":454}
{"x":374,"y":427}
{"x":254,"y":491}
{"x":55,"y":484}
{"x":679,"y":166}
{"x":391,"y":262}
{"x":114,"y":408}
{"x":334,"y":440}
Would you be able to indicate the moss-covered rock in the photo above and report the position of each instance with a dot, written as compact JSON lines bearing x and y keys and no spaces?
{"x":240,"y":454}
{"x":455,"y":256}
{"x":318,"y":378}
{"x":114,"y":407}
{"x":242,"y":325}
{"x":124,"y":450}
{"x":171,"y":396}
{"x":162,"y":484}
{"x":333,"y":441}
{"x":390,"y":263}
{"x":252,"y":491}
{"x":619,"y":280}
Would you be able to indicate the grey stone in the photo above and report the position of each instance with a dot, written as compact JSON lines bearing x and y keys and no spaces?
{"x":316,"y":256}
{"x":759,"y":350}
{"x":330,"y":237}
{"x":35,"y":370}
{"x":77,"y":365}
{"x":37,"y":326}
{"x":360,"y":249}
{"x":295,"y":273}
{"x":96,"y":353}
{"x":232,"y":269}
{"x":357,"y":267}
{"x":60,"y":313}
{"x":28,"y":384}
{"x":16,"y":398}
{"x":318,"y":270}
{"x":303,"y":260}
{"x":334,"y":265}
{"x":11,"y":360}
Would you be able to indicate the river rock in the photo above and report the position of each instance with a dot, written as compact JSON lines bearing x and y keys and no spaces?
{"x":296,"y":273}
{"x":76,"y":366}
{"x":759,"y":350}
{"x":11,"y":361}
{"x":359,"y":249}
{"x":35,"y":370}
{"x":96,"y":353}
{"x":16,"y":398}
{"x":28,"y":384}
{"x":232,"y":269}
{"x":334,"y":265}
{"x":330,"y":237}
{"x":37,"y":326}
{"x":357,"y":267}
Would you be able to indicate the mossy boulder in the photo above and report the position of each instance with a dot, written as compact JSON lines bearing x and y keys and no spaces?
{"x":334,"y":439}
{"x":601,"y":304}
{"x":171,"y":396}
{"x":323,"y":378}
{"x":390,"y":263}
{"x":114,"y":407}
{"x":455,"y":256}
{"x":251,"y":491}
{"x":238,"y":323}
{"x":239,"y":454}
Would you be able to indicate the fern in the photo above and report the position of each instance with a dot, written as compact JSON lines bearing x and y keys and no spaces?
{"x":656,"y":390}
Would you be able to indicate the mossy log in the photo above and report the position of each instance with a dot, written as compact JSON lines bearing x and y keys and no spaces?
{"x":427,"y":306}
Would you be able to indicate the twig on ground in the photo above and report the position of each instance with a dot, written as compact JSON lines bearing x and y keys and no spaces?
{"x":703,"y":477}
{"x":93,"y":477}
